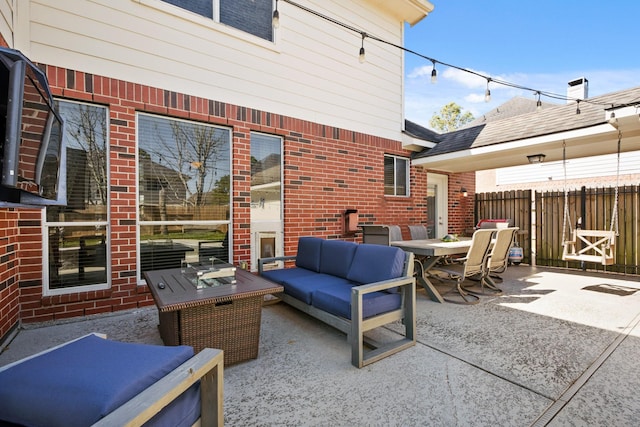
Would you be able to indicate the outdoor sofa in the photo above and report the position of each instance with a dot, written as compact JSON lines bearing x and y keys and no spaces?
{"x":352,"y":287}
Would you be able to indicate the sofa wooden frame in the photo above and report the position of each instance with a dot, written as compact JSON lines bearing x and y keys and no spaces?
{"x":356,"y":330}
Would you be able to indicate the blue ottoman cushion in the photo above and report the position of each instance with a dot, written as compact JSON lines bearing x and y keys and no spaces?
{"x":336,"y":299}
{"x":81,"y":382}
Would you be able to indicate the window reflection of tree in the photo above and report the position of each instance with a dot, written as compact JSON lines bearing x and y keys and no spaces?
{"x":87,"y":129}
{"x":183,"y":161}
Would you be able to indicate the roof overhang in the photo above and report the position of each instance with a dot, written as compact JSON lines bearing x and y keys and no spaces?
{"x":594,"y":140}
{"x":411,"y":11}
{"x":412,"y":143}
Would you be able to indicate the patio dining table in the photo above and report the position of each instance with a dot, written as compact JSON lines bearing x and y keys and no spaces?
{"x":428,"y":252}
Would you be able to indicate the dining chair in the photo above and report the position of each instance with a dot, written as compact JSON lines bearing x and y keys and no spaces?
{"x":395,"y":233}
{"x":474,"y":264}
{"x":418,"y":232}
{"x":498,"y":260}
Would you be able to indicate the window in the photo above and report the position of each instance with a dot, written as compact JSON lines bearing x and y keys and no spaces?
{"x":184,"y":192}
{"x":396,"y":176}
{"x":76,"y":235}
{"x":251,"y":16}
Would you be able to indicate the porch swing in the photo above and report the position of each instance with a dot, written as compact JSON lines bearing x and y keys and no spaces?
{"x":598,"y":245}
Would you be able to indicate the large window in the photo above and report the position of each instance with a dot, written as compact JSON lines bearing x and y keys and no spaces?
{"x":76,"y":235}
{"x":184,"y":194}
{"x":396,"y":176}
{"x":251,"y":16}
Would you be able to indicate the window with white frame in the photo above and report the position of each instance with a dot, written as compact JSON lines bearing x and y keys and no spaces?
{"x":396,"y":175}
{"x":250,"y":16}
{"x":184,"y":192}
{"x":77,"y":235}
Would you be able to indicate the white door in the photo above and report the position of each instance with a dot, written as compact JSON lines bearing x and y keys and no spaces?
{"x":437,"y":203}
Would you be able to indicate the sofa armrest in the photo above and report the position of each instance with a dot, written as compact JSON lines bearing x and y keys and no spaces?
{"x":383,"y":285}
{"x":406,"y":314}
{"x":263,"y":261}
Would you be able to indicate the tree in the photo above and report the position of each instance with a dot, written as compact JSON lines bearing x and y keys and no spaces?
{"x":450,"y":118}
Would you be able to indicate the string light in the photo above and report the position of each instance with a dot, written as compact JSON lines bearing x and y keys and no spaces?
{"x":538,"y":103}
{"x":487,"y":93}
{"x":434,"y":73}
{"x":275,"y":21}
{"x":578,"y":106}
{"x":361,"y":57}
{"x":434,"y":61}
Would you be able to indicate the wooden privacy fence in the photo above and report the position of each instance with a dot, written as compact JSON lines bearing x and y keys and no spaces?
{"x":513,"y":205}
{"x":588,"y":208}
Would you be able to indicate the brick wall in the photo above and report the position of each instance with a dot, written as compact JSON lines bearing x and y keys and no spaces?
{"x":326,"y":171}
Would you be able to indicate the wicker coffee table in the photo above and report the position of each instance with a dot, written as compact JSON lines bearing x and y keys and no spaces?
{"x":225,"y":317}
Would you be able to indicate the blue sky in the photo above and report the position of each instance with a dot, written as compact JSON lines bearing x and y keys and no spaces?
{"x":540,"y":44}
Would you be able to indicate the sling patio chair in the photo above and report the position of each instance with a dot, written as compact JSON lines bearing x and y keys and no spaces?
{"x":497,"y":262}
{"x":418,"y":232}
{"x":474,"y":264}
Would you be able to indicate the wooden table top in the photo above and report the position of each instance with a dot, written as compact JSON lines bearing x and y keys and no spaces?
{"x":179,"y":292}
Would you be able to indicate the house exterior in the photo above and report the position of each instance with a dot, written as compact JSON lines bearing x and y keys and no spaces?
{"x":194,"y":127}
{"x":589,"y":128}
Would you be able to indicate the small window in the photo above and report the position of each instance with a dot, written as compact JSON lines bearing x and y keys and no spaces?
{"x":251,"y":16}
{"x":396,"y":176}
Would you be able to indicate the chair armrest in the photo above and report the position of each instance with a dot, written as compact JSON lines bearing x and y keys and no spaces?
{"x":263,"y":261}
{"x":206,"y":365}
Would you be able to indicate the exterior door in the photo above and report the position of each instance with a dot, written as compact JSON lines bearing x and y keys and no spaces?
{"x":267,"y":233}
{"x":437,"y":216}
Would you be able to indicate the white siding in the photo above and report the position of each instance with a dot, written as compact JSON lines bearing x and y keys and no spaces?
{"x":6,"y":20}
{"x":590,"y":171}
{"x":311,"y":72}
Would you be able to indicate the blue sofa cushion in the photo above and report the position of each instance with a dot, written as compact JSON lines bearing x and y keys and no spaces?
{"x":81,"y":382}
{"x":336,"y":257}
{"x":336,"y":299}
{"x":308,"y":256}
{"x":303,"y":287}
{"x":375,"y":263}
{"x":281,"y":275}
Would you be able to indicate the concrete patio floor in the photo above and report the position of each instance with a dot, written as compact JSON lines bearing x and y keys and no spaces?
{"x":558,"y":348}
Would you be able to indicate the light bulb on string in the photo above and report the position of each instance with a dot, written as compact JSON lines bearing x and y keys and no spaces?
{"x":275,"y":21}
{"x":578,"y":106}
{"x":434,"y":73}
{"x":539,"y":103}
{"x":362,"y":57}
{"x":487,"y":93}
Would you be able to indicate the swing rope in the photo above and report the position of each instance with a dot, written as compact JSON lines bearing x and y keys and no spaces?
{"x":614,"y":214}
{"x":566,"y":219}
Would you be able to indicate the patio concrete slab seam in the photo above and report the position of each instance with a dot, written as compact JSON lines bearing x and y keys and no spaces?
{"x":554,"y":409}
{"x":476,"y":366}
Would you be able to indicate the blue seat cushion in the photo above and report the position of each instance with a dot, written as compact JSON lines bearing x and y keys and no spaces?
{"x":375,"y":263}
{"x":81,"y":382}
{"x":336,"y":299}
{"x":281,"y":275}
{"x":308,"y":256}
{"x":336,"y":257}
{"x":303,"y":287}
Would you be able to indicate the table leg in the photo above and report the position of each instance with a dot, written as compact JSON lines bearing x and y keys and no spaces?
{"x":423,"y":279}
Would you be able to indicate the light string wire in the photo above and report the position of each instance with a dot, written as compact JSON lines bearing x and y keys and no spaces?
{"x":538,"y":92}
